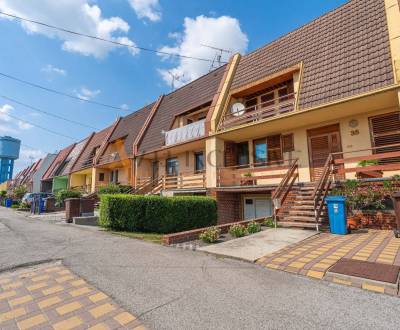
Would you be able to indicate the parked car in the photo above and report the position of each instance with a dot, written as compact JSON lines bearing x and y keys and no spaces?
{"x":29,"y":197}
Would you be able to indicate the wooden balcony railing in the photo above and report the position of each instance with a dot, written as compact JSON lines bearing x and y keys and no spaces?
{"x":84,"y":163}
{"x":84,"y":189}
{"x":181,"y":181}
{"x":109,"y":158}
{"x":259,"y":112}
{"x":253,"y":174}
{"x":376,"y":162}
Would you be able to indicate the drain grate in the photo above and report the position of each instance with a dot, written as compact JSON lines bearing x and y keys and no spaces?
{"x":365,"y":269}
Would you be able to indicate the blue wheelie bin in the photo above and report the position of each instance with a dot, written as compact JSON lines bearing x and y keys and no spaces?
{"x":8,"y":202}
{"x":337,"y":214}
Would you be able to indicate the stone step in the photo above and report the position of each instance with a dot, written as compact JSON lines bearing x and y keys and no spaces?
{"x":310,"y":213}
{"x":297,"y":224}
{"x":300,"y":218}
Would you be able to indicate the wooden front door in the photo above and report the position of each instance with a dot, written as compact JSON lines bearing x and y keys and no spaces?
{"x":322,"y":142}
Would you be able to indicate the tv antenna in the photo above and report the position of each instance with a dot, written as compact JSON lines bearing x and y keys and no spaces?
{"x":217,"y":60}
{"x":175,"y":77}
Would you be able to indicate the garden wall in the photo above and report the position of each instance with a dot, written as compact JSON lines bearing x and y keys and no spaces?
{"x":373,"y":220}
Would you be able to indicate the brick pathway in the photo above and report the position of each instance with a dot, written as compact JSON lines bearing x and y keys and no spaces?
{"x":314,"y":256}
{"x":52,"y":297}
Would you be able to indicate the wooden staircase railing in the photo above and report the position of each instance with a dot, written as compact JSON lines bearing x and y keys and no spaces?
{"x":322,"y":188}
{"x":284,"y":187}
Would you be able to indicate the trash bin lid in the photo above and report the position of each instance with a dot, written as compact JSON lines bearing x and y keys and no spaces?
{"x":396,"y":194}
{"x":335,"y":198}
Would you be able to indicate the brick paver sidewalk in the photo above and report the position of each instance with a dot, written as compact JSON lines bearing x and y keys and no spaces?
{"x":314,"y":256}
{"x":52,"y":297}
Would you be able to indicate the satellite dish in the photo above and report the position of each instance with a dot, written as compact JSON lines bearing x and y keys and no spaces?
{"x":237,"y":109}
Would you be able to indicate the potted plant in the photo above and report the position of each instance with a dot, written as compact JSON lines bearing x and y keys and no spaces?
{"x":246,"y":181}
{"x":365,"y":203}
{"x":369,"y":174}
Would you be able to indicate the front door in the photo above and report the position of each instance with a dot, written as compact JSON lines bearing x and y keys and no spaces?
{"x":322,"y":142}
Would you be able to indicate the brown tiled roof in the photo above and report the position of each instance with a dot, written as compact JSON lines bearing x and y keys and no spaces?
{"x":130,"y":126}
{"x":345,"y":52}
{"x":49,"y":174}
{"x":95,"y":142}
{"x":190,"y":96}
{"x":73,"y":155}
{"x":32,"y":170}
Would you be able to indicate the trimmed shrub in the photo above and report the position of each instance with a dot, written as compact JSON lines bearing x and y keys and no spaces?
{"x":156,"y":214}
{"x":253,"y":227}
{"x":63,"y":194}
{"x":210,"y":235}
{"x":237,"y":230}
{"x":114,"y":189}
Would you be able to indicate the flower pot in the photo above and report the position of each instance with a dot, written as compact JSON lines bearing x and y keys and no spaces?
{"x":369,"y":174}
{"x":353,"y":222}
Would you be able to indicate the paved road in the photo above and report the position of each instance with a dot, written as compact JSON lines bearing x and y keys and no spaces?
{"x":176,"y":289}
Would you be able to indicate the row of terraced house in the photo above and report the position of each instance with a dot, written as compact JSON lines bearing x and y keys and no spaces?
{"x":269,"y":131}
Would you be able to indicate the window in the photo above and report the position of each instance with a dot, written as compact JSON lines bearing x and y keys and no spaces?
{"x":268,"y":150}
{"x":267,"y":99}
{"x":172,"y":167}
{"x":274,"y":148}
{"x":114,"y":176}
{"x":260,"y":152}
{"x":288,"y":142}
{"x":199,"y":161}
{"x":251,"y":104}
{"x":243,"y":154}
{"x":385,"y":130}
{"x":101,"y":177}
{"x":283,"y":94}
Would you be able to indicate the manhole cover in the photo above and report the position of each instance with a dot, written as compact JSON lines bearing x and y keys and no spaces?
{"x":370,"y":270}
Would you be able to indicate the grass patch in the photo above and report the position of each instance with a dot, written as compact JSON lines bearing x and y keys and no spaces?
{"x":148,"y":237}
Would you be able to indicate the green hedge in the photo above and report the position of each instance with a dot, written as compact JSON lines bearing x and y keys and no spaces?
{"x":156,"y":214}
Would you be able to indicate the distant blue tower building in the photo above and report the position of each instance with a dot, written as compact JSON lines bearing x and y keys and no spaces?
{"x":9,"y":151}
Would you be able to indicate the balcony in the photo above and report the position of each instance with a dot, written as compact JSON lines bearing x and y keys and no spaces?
{"x":185,"y":133}
{"x":183,"y":181}
{"x":253,"y":175}
{"x":261,"y":111}
{"x":374,"y":163}
{"x":109,"y":158}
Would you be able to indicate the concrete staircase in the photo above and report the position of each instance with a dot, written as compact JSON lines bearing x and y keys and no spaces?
{"x":300,"y":213}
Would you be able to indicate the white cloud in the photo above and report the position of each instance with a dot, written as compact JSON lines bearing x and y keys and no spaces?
{"x":26,"y":157}
{"x":4,"y":112}
{"x":149,"y":9}
{"x":50,"y":69}
{"x":124,"y":106}
{"x":222,"y":32}
{"x":77,"y":15}
{"x":24,"y":125}
{"x":87,"y":94}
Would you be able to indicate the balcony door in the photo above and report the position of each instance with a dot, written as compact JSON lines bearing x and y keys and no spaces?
{"x":154,"y":172}
{"x":322,"y":142}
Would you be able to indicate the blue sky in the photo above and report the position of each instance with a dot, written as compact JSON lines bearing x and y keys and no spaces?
{"x":114,"y":75}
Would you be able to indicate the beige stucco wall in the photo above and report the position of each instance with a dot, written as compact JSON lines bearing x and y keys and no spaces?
{"x":214,"y":159}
